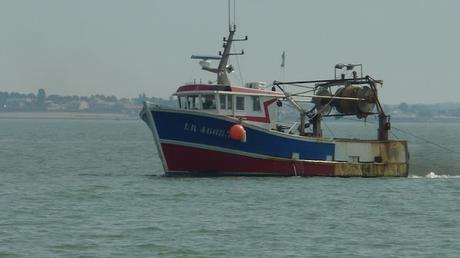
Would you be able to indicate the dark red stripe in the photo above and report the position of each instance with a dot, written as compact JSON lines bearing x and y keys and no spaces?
{"x":181,"y":158}
{"x":199,"y":87}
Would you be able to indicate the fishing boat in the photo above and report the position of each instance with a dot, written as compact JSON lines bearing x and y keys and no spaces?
{"x":222,"y":129}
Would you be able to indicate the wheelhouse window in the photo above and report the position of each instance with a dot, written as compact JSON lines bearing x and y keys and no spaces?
{"x":222,"y":99}
{"x":256,"y":103}
{"x":240,"y":103}
{"x":182,"y":102}
{"x":208,"y":102}
{"x":229,"y":102}
{"x":192,"y":102}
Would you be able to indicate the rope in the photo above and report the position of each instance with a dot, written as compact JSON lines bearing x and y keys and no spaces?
{"x":328,"y":103}
{"x":426,"y":140}
{"x":329,"y":129}
{"x":302,"y":86}
{"x":302,"y":92}
{"x":415,"y":136}
{"x":295,"y":170}
{"x":394,"y":135}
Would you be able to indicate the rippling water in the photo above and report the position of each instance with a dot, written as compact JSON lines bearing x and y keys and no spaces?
{"x":74,"y":188}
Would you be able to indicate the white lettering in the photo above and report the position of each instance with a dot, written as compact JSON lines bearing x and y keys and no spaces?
{"x":194,"y":128}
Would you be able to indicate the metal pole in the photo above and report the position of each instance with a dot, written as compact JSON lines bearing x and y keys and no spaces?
{"x":384,"y":127}
{"x":302,"y":124}
{"x":317,"y":132}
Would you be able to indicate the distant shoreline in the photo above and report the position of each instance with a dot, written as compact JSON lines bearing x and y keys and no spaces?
{"x":118,"y":116}
{"x":66,"y":115}
{"x":428,"y":120}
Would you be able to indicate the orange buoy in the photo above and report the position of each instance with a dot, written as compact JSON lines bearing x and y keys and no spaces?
{"x":238,"y":133}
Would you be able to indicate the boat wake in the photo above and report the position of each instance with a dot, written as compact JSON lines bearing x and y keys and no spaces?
{"x":434,"y":175}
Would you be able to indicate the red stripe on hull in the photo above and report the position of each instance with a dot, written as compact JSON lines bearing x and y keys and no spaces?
{"x":200,"y":87}
{"x":201,"y":161}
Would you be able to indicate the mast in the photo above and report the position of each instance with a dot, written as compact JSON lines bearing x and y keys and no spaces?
{"x":222,"y":77}
{"x":223,"y":69}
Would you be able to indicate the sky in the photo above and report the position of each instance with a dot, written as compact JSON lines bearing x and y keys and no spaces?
{"x":124,"y":48}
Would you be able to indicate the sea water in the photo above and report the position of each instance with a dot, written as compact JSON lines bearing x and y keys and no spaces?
{"x":87,"y":188}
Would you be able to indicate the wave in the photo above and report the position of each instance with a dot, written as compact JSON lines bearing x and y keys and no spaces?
{"x":434,"y":175}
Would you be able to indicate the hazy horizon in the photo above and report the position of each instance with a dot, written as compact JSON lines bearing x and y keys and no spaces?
{"x":125,"y":48}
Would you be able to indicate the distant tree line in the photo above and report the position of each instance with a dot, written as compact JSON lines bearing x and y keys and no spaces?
{"x":424,"y":111}
{"x":99,"y":103}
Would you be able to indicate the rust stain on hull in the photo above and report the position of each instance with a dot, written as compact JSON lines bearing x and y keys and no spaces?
{"x":372,"y":170}
{"x":392,"y":160}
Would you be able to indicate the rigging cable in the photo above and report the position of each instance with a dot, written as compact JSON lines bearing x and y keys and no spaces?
{"x":239,"y":70}
{"x":426,"y":140}
{"x":301,"y":92}
{"x":329,"y":129}
{"x":415,"y":136}
{"x":303,"y":86}
{"x":324,"y":106}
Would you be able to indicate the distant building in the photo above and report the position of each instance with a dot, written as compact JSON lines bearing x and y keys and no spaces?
{"x":84,"y":105}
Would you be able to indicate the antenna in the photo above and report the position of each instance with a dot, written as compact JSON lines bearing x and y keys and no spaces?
{"x":234,"y":13}
{"x":231,"y":24}
{"x":223,"y":68}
